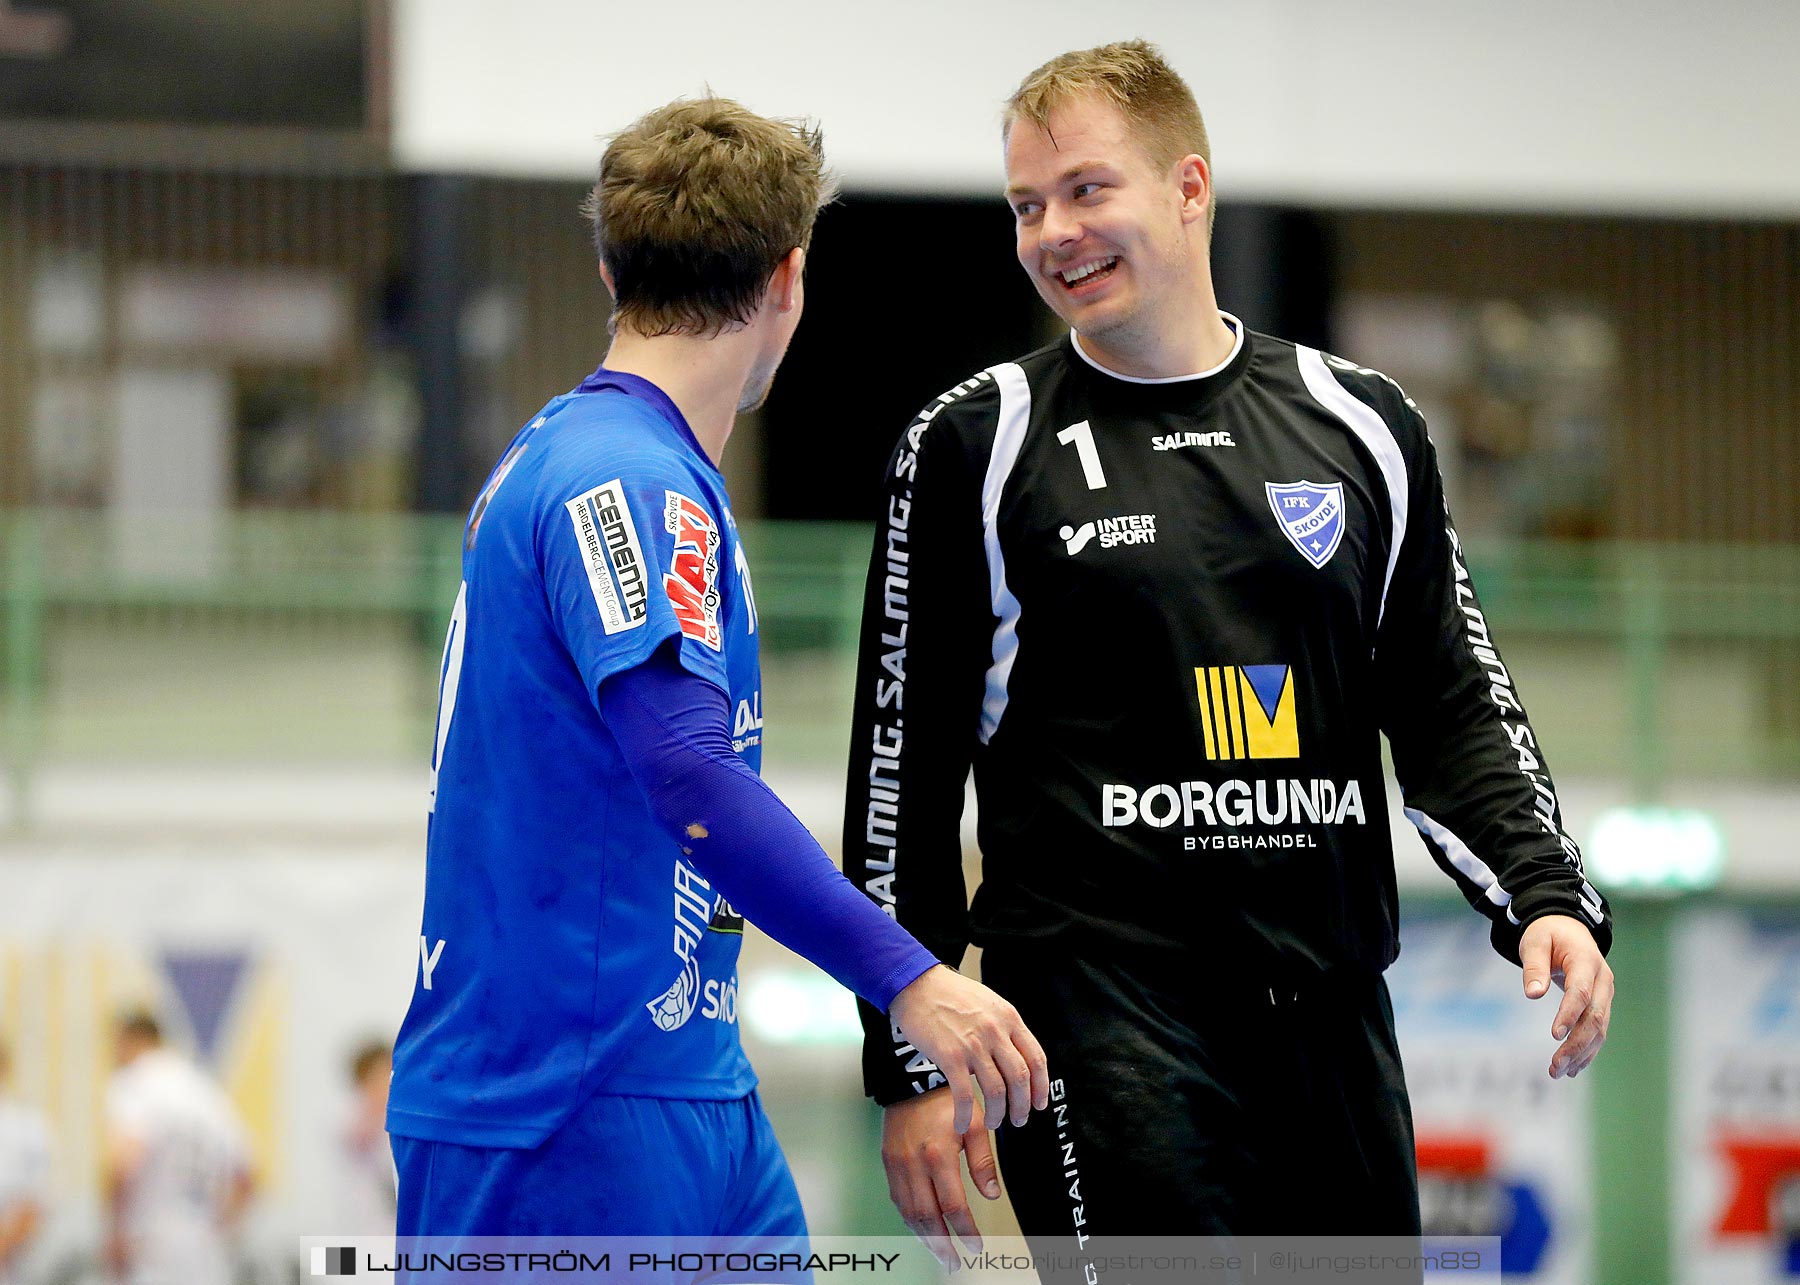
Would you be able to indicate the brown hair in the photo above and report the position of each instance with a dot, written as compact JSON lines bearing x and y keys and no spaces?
{"x":698,"y":203}
{"x":366,"y":1057}
{"x":140,"y":1023}
{"x":1131,"y":74}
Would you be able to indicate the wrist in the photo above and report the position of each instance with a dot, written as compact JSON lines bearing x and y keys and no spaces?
{"x":911,"y":990}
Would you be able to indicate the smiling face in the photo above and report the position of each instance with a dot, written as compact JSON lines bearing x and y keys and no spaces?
{"x":1114,"y":243}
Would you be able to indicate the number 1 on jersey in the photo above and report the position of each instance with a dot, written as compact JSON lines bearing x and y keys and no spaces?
{"x":1083,"y":436}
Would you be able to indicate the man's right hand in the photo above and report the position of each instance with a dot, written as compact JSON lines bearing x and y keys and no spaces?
{"x":922,"y":1154}
{"x":969,"y":1031}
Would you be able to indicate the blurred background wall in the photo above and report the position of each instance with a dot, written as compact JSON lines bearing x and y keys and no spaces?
{"x":277,"y":281}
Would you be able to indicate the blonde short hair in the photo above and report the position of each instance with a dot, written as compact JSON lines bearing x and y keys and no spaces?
{"x":696,"y":205}
{"x":1156,"y":102}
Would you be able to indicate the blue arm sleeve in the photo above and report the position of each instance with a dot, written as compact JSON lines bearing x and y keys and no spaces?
{"x":673,"y":728}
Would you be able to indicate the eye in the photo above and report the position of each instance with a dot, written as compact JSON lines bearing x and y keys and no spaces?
{"x":1025,"y":209}
{"x":1083,"y":190}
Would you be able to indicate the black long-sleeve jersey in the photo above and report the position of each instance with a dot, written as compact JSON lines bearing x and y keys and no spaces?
{"x":1165,"y":621}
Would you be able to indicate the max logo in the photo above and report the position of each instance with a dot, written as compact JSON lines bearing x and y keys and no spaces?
{"x":692,"y":582}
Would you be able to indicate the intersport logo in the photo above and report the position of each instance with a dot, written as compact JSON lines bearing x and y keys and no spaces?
{"x":1136,"y":528}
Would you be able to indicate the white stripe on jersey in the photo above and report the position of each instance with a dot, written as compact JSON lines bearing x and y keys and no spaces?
{"x":1464,"y":859}
{"x":1015,"y":415}
{"x":1374,"y":433}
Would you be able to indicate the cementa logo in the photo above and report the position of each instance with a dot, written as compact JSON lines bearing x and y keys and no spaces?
{"x":1247,"y":711}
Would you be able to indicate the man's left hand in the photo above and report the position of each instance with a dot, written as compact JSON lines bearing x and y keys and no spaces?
{"x":1560,"y":949}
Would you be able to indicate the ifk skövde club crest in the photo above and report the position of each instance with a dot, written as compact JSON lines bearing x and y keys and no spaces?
{"x":1311,"y":515}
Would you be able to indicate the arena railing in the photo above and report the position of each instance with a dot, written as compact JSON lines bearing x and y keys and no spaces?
{"x":315,"y":637}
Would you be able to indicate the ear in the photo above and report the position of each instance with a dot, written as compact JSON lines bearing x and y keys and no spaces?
{"x":784,"y":285}
{"x":1193,"y":177}
{"x":606,"y":279}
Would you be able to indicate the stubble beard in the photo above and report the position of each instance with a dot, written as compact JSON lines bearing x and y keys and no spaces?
{"x":756,"y":391}
{"x":1120,"y":330}
{"x":757,"y":386}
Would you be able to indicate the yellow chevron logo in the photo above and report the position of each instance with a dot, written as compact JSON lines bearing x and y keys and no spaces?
{"x":1247,"y":711}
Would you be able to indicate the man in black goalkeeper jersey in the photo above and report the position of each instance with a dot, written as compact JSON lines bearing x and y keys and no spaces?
{"x":1164,"y":584}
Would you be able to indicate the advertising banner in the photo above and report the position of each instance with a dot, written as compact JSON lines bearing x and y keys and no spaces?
{"x":1504,"y":1150}
{"x":1736,"y":991}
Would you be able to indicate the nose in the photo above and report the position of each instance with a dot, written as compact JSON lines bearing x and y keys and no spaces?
{"x":1060,"y":227}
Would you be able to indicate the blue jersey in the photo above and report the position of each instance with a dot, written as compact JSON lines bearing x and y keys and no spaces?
{"x":568,"y":946}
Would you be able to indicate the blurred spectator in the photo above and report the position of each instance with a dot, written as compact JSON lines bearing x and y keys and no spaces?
{"x":367,"y":1198}
{"x":24,"y":1172}
{"x":177,"y":1165}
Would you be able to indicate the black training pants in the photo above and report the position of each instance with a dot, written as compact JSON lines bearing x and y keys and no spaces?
{"x":1188,"y":1103}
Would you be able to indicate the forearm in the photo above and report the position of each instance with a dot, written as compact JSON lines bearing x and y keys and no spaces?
{"x":1476,"y":780}
{"x":744,"y":840}
{"x":921,"y":661}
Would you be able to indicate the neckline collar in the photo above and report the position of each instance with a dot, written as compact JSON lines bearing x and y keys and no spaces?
{"x":1237,"y":346}
{"x":637,"y":386}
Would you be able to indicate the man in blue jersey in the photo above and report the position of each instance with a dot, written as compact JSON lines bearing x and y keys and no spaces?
{"x":570,"y":1063}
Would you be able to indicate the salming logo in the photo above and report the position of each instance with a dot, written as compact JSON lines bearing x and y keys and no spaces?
{"x":1176,"y":441}
{"x":1505,"y":699}
{"x":1247,"y":711}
